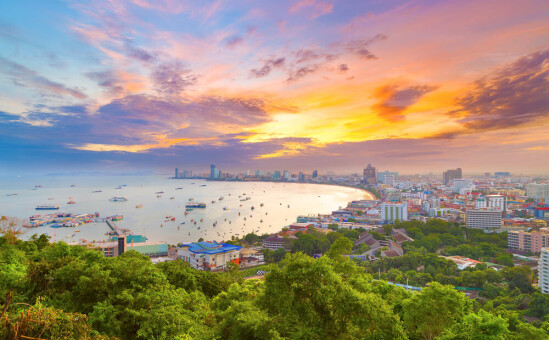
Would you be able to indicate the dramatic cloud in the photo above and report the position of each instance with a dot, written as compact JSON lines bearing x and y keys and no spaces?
{"x":396,"y":98}
{"x":107,"y":80}
{"x":23,"y":76}
{"x":514,"y":95}
{"x":301,"y":72}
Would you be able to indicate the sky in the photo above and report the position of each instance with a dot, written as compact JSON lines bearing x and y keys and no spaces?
{"x":409,"y":86}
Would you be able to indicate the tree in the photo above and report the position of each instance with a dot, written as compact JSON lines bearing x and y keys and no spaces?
{"x":519,"y":277}
{"x":539,"y":305}
{"x":484,"y":326}
{"x":279,"y":254}
{"x":436,"y":308}
{"x":341,"y":246}
{"x":11,"y":228}
{"x":251,"y":238}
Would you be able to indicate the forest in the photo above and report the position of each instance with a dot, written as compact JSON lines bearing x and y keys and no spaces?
{"x":57,"y":291}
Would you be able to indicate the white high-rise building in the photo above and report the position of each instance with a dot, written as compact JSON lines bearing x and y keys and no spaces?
{"x":543,"y":271}
{"x":389,"y":180}
{"x":461,"y":186}
{"x":394,"y":211}
{"x":537,"y":191}
{"x":488,"y":219}
{"x":497,"y":201}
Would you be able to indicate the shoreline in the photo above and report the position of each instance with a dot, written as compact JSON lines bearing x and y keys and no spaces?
{"x":373,"y":196}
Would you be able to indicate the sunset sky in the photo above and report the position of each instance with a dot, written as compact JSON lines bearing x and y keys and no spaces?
{"x":409,"y":86}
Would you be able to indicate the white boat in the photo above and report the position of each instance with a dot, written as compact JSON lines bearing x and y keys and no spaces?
{"x":118,"y":199}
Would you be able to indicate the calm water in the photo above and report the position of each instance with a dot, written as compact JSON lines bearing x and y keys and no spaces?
{"x":151,"y":219}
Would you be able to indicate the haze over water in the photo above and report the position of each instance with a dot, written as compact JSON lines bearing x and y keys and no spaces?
{"x":302,"y":199}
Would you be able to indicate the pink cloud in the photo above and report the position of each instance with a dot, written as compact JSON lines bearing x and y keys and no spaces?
{"x":319,"y":8}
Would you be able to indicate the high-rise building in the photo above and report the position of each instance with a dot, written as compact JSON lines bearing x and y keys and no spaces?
{"x":370,"y":175}
{"x":462,"y":186}
{"x":381,"y":175}
{"x":391,"y":212}
{"x":496,"y":201}
{"x":389,"y":180}
{"x":531,"y":242}
{"x":301,"y":177}
{"x":276,"y":175}
{"x":176,"y":172}
{"x":214,"y":172}
{"x":488,"y":219}
{"x":287,"y":174}
{"x":538,"y":191}
{"x":543,"y":271}
{"x":450,"y":175}
{"x":315,"y":173}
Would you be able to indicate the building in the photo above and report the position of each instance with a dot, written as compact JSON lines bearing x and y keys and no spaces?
{"x":389,"y":180}
{"x":531,"y":242}
{"x":369,"y":175}
{"x":538,"y":191}
{"x":543,"y":271}
{"x":502,"y":174}
{"x":381,"y":176}
{"x":214,"y":172}
{"x":209,"y":256}
{"x":391,"y":212}
{"x":450,"y":175}
{"x":301,"y":177}
{"x":462,"y":186}
{"x":315,"y":173}
{"x":496,"y":201}
{"x":286,"y":174}
{"x":176,"y":172}
{"x":488,"y":219}
{"x":275,"y":242}
{"x":276,"y":175}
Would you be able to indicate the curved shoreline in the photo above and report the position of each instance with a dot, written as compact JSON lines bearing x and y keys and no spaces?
{"x":373,"y":197}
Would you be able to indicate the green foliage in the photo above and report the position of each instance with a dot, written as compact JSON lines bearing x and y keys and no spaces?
{"x":436,"y":308}
{"x":483,"y":326}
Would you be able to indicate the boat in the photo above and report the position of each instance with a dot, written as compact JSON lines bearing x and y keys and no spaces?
{"x":118,"y":199}
{"x":261,"y":204}
{"x":159,"y":192}
{"x":47,"y":207}
{"x":38,"y":186}
{"x":117,"y":217}
{"x":172,"y":198}
{"x":173,"y":218}
{"x":221,"y":198}
{"x":203,"y":185}
{"x":97,"y":191}
{"x":71,"y":202}
{"x":252,"y":207}
{"x":178,"y":188}
{"x":183,"y":222}
{"x":213,"y":201}
{"x":51,"y":198}
{"x":73,"y":185}
{"x":195,"y":205}
{"x":12,"y":194}
{"x":158,"y":196}
{"x":118,"y":187}
{"x":225,"y":208}
{"x":139,"y":206}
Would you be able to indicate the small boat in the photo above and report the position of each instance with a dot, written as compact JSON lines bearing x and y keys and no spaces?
{"x":261,"y":204}
{"x":76,"y":231}
{"x":203,"y":185}
{"x":183,"y":222}
{"x":172,"y":198}
{"x":96,"y":191}
{"x":118,"y":199}
{"x":288,"y":205}
{"x":51,"y":198}
{"x":158,"y":196}
{"x":178,"y":188}
{"x":73,"y":185}
{"x":252,"y":207}
{"x":195,"y":205}
{"x":71,"y":202}
{"x":213,"y":201}
{"x":139,"y":206}
{"x":221,"y":198}
{"x":225,"y":208}
{"x":159,"y":192}
{"x":261,"y":220}
{"x":201,"y":220}
{"x":173,"y":218}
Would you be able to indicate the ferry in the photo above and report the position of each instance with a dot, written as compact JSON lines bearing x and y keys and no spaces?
{"x":47,"y":207}
{"x":118,"y":199}
{"x":195,"y":205}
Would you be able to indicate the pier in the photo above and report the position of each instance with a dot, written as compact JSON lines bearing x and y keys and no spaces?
{"x":111,"y":225}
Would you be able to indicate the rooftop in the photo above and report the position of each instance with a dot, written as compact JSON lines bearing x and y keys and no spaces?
{"x":210,"y":248}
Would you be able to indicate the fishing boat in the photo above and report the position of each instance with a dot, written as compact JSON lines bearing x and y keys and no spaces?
{"x":139,"y":206}
{"x":261,"y":204}
{"x":252,"y":207}
{"x":47,"y":207}
{"x":195,"y":205}
{"x":178,"y":188}
{"x":73,"y":185}
{"x":159,"y":192}
{"x":118,"y":199}
{"x":172,"y":198}
{"x":71,"y":202}
{"x":96,"y":191}
{"x":117,"y":217}
{"x":221,"y":198}
{"x":225,"y":208}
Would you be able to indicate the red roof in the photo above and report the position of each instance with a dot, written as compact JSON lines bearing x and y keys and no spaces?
{"x":543,"y":208}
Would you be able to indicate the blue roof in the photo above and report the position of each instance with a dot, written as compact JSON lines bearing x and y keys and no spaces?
{"x":211,"y":248}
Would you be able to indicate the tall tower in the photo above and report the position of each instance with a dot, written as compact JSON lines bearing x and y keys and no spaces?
{"x":176,"y":172}
{"x":370,"y":175}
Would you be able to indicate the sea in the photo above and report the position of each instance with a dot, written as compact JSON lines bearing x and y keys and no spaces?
{"x":275,"y":205}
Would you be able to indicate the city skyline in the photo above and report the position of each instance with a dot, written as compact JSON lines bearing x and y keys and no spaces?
{"x":413,"y":87}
